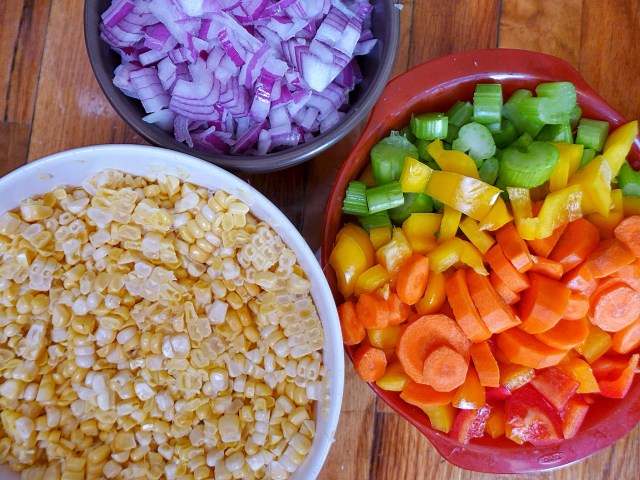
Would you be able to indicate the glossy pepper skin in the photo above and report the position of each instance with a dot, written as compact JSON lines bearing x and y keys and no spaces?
{"x":352,"y":254}
{"x":453,"y":251}
{"x":618,"y":144}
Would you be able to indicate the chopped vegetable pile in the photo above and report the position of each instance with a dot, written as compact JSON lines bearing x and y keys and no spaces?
{"x":237,"y":77}
{"x":493,"y":276}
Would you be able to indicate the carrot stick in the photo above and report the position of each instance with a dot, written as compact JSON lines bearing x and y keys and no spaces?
{"x":485,"y":364}
{"x":372,"y":310}
{"x":412,"y":278}
{"x":504,"y":269}
{"x":628,"y":232}
{"x":580,"y":280}
{"x":578,"y":240}
{"x":423,"y":396}
{"x":444,"y":369}
{"x":369,"y":363}
{"x":496,"y":315}
{"x":509,"y":296}
{"x":577,"y":308}
{"x":423,"y":336}
{"x":464,"y":310}
{"x":543,"y":304}
{"x":543,"y":246}
{"x":614,"y":305}
{"x":547,"y":267}
{"x":566,"y":334}
{"x":627,"y":339}
{"x":353,"y":332}
{"x":524,"y":349}
{"x":514,"y":247}
{"x":398,"y":310}
{"x":609,"y":257}
{"x":630,"y":274}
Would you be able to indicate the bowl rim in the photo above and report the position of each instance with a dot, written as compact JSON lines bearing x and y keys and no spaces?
{"x":49,"y":172}
{"x":242,"y":163}
{"x":475,"y":65}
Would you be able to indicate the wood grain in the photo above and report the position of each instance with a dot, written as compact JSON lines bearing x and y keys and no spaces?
{"x":10,"y":14}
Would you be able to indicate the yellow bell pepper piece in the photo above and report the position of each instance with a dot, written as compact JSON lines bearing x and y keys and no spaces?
{"x":420,"y":229}
{"x":360,"y":235}
{"x":581,"y":372}
{"x":568,"y":164}
{"x":497,"y":217}
{"x":526,"y":224}
{"x":596,"y":344}
{"x":560,"y":207}
{"x":379,"y":236}
{"x":618,"y":144}
{"x":394,"y":378}
{"x":480,"y":239}
{"x":384,"y":338}
{"x":451,"y":252}
{"x":352,"y":254}
{"x":595,"y":181}
{"x":468,"y":195}
{"x":441,"y":416}
{"x":371,"y":279}
{"x":414,"y":176}
{"x":449,"y":225}
{"x":495,"y":422}
{"x":395,"y":252}
{"x":631,"y":205}
{"x":452,"y":160}
{"x":616,"y":214}
{"x":434,"y":296}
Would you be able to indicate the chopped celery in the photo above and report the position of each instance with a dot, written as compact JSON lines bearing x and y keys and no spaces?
{"x":407,"y":133}
{"x":489,"y":170}
{"x":556,"y":133}
{"x":523,"y":140}
{"x":413,"y":203}
{"x":387,"y":158}
{"x":475,"y":139}
{"x":421,"y":146}
{"x":629,"y":180}
{"x":592,"y":133}
{"x":588,"y":154}
{"x":460,"y":113}
{"x":503,"y":132}
{"x":487,"y":103}
{"x":528,"y":167}
{"x":375,"y":220}
{"x":521,"y":118}
{"x":355,"y":199}
{"x":557,"y":101}
{"x":576,"y":114}
{"x":384,"y":197}
{"x":452,"y":133}
{"x":430,"y":126}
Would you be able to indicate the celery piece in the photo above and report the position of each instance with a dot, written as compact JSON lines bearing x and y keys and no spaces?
{"x":489,"y":170}
{"x":387,"y":158}
{"x":588,"y":154}
{"x":523,"y":140}
{"x":460,"y":113}
{"x":475,"y":139}
{"x":556,"y":133}
{"x":528,"y":167}
{"x":557,"y":101}
{"x":452,"y":133}
{"x":503,"y":132}
{"x":430,"y":126}
{"x":522,"y":120}
{"x":421,"y":146}
{"x":629,"y":180}
{"x":413,"y":203}
{"x":487,"y":103}
{"x":375,"y":220}
{"x":592,"y":133}
{"x":384,"y":197}
{"x":407,"y":133}
{"x":576,"y":114}
{"x":355,"y":199}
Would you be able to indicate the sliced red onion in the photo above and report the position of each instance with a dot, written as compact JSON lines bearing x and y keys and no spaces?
{"x":118,"y":10}
{"x":162,"y":118}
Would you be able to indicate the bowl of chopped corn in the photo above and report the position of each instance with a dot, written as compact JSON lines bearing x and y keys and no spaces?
{"x":160,"y":318}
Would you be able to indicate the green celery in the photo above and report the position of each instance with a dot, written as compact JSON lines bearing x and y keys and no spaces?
{"x":528,"y":167}
{"x":592,"y":133}
{"x":475,"y":139}
{"x":384,"y":197}
{"x":460,"y":113}
{"x":487,"y":103}
{"x":556,"y":133}
{"x":430,"y":126}
{"x":489,"y":170}
{"x":576,"y":114}
{"x":523,"y":140}
{"x":629,"y":180}
{"x":375,"y":220}
{"x":521,"y":118}
{"x":355,"y":199}
{"x":387,"y":158}
{"x":588,"y":154}
{"x":503,"y":132}
{"x":413,"y":203}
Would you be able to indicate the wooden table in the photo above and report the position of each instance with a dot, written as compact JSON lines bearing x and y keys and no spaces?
{"x":50,"y":101}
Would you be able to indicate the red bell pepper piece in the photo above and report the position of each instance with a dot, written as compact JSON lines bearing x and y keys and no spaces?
{"x":573,"y":416}
{"x":497,"y":394}
{"x":470,"y":424}
{"x":555,"y":385}
{"x":615,"y":374}
{"x":531,"y":418}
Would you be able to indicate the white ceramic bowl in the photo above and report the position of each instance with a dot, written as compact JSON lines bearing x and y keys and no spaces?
{"x":71,"y":167}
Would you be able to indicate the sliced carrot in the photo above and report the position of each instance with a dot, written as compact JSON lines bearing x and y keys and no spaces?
{"x":372,"y":310}
{"x":504,"y":269}
{"x":412,"y":278}
{"x":609,"y":257}
{"x":543,"y":246}
{"x":369,"y":363}
{"x":444,"y":369}
{"x":496,"y":314}
{"x":628,"y":232}
{"x":630,"y":274}
{"x":471,"y":395}
{"x":547,"y":267}
{"x":423,"y":396}
{"x":578,"y":307}
{"x":579,"y":239}
{"x":543,"y":304}
{"x":485,"y":364}
{"x":398,"y":310}
{"x":423,"y":336}
{"x":509,"y":296}
{"x":353,"y":332}
{"x":566,"y":334}
{"x":580,"y":280}
{"x":614,"y":305}
{"x":627,"y":339}
{"x":527,"y":350}
{"x":514,"y":247}
{"x":464,"y":310}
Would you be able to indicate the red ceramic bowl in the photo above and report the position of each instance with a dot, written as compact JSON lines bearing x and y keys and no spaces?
{"x":434,"y":86}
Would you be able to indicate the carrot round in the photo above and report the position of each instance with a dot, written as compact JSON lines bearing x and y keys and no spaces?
{"x":485,"y":364}
{"x":496,"y":315}
{"x":547,"y":267}
{"x":424,"y":396}
{"x":524,"y":349}
{"x":627,"y":339}
{"x":543,"y":246}
{"x":580,"y":280}
{"x":372,"y":311}
{"x":398,"y":310}
{"x":509,"y":296}
{"x":514,"y":247}
{"x":504,"y":269}
{"x":609,"y":257}
{"x":464,"y":310}
{"x":353,"y":332}
{"x":412,"y":278}
{"x":614,"y":306}
{"x":543,"y":304}
{"x":630,"y":274}
{"x":566,"y":334}
{"x":579,"y":239}
{"x":369,"y":363}
{"x":628,"y":232}
{"x":444,"y":369}
{"x":577,"y":308}
{"x":423,"y":336}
